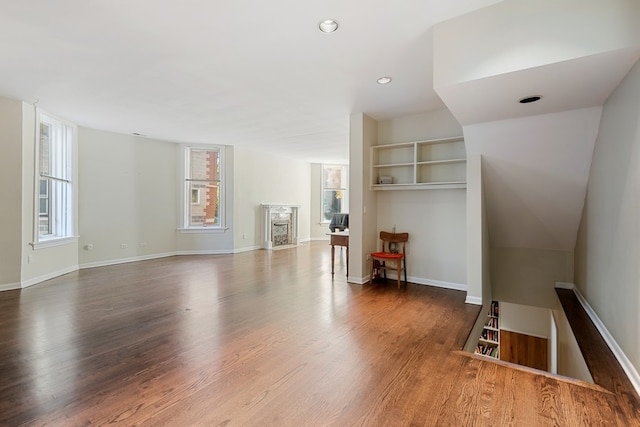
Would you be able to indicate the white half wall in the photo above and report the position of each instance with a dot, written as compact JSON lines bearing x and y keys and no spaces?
{"x":363,"y":133}
{"x":570,"y":361}
{"x":478,"y":284}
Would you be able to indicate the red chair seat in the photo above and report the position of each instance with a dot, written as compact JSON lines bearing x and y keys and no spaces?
{"x":393,"y":250}
{"x":386,"y":255}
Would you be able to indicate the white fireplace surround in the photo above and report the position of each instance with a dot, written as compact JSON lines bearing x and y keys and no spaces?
{"x":274,"y":211}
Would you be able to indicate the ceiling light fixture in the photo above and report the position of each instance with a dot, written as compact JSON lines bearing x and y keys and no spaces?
{"x":328,"y":25}
{"x":384,"y":80}
{"x":530,"y":99}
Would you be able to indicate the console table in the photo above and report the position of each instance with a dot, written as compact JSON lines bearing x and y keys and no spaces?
{"x":339,"y":239}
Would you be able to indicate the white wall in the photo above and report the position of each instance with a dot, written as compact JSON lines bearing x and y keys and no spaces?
{"x":436,"y":223}
{"x":20,"y":264}
{"x":10,"y":192}
{"x":607,"y":271}
{"x":213,"y":241}
{"x":535,"y":172}
{"x":434,"y":219}
{"x":528,"y":275}
{"x":127,"y":195}
{"x":525,"y":319}
{"x":418,"y":127}
{"x":259,"y":178}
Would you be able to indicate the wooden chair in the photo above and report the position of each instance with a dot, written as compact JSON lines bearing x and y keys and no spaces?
{"x":393,"y":252}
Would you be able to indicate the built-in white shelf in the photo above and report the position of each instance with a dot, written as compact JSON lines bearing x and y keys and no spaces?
{"x":419,"y":165}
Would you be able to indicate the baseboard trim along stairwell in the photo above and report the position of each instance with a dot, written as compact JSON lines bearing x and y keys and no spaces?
{"x":622,"y":358}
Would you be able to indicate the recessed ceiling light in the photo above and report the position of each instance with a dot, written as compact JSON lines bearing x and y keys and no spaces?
{"x":530,"y":99}
{"x":384,"y":80}
{"x":328,"y":25}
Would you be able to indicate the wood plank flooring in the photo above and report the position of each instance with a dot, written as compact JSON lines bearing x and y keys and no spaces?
{"x":523,"y":349}
{"x":263,"y":338}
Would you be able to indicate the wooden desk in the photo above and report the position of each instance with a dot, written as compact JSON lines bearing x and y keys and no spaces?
{"x":339,"y":239}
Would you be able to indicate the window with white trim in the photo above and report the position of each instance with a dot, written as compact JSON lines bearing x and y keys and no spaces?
{"x":203,"y":188}
{"x":334,"y":191}
{"x":54,"y":211}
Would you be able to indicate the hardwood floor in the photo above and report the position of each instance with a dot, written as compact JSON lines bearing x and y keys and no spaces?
{"x":525,"y":350}
{"x":258,"y":339}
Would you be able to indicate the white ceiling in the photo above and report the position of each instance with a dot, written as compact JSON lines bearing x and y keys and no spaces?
{"x":248,"y":73}
{"x":565,"y":85}
{"x":261,"y":75}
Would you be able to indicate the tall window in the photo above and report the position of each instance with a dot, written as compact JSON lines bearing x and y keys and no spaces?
{"x":203,"y":187}
{"x":54,"y":148}
{"x":334,"y":191}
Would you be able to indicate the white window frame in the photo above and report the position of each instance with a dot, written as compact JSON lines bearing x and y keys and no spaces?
{"x":185,"y":194}
{"x":345,"y":189}
{"x":62,"y":204}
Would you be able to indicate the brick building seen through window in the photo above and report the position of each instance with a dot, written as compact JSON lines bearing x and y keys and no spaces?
{"x":204,"y":188}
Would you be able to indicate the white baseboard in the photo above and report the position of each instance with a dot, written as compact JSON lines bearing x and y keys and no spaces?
{"x":205,"y":252}
{"x":431,"y":282}
{"x":437,"y":283}
{"x":36,"y":280}
{"x":165,"y":255}
{"x":358,"y":280}
{"x":9,"y":286}
{"x":44,"y":277}
{"x":622,"y":358}
{"x":125,"y":260}
{"x":473,"y":300}
{"x":249,"y":249}
{"x":565,"y":285}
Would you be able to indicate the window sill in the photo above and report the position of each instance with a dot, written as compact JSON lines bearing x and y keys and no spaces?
{"x":203,"y":230}
{"x":49,"y":243}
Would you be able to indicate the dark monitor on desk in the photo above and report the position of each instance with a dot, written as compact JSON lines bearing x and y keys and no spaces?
{"x":339,"y":222}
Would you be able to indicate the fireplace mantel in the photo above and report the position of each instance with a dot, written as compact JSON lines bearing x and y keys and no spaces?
{"x":271,"y":211}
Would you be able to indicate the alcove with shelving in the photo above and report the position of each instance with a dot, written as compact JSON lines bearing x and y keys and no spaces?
{"x":489,"y":341}
{"x":437,"y":163}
